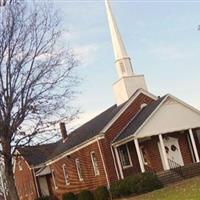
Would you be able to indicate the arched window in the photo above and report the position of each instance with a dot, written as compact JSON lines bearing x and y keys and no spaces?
{"x":79,"y":169}
{"x":65,"y":173}
{"x":95,"y":164}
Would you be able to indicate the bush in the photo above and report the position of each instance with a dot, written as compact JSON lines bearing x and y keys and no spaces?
{"x":85,"y":195}
{"x":147,"y":183}
{"x":115,"y":189}
{"x":69,"y":196}
{"x":102,"y":193}
{"x":137,"y":184}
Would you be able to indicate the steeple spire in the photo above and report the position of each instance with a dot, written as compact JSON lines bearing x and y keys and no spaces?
{"x":122,"y":60}
{"x":128,"y":82}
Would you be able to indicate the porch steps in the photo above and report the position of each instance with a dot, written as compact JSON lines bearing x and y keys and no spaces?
{"x":168,"y":177}
{"x":191,"y":170}
{"x":175,"y":175}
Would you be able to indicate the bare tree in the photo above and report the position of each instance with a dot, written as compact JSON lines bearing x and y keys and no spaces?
{"x":37,"y":79}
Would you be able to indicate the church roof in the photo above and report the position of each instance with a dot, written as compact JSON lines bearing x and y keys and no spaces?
{"x":36,"y":155}
{"x":138,"y":120}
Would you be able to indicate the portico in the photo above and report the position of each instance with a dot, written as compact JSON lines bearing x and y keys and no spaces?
{"x":165,"y":135}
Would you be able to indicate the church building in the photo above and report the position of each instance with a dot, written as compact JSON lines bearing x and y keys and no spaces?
{"x":140,"y":132}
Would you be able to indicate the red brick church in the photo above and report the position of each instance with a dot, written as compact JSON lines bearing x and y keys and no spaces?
{"x":141,"y":132}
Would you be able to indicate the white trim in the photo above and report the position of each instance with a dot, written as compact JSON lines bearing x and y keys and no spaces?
{"x":131,"y":137}
{"x":119,"y":163}
{"x":194,"y":145}
{"x":104,"y":166}
{"x":139,"y":155}
{"x":114,"y":159}
{"x":36,"y":184}
{"x":163,"y":155}
{"x":137,"y":93}
{"x":95,"y":168}
{"x":163,"y":101}
{"x":74,"y":149}
{"x":66,"y":174}
{"x":54,"y":179}
{"x":80,"y":176}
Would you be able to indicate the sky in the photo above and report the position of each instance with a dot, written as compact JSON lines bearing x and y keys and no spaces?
{"x":161,"y":38}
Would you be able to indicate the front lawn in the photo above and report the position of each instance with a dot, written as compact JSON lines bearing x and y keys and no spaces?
{"x":185,"y":190}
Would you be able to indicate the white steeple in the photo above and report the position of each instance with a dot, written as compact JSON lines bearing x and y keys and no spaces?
{"x":123,"y":62}
{"x":128,"y":83}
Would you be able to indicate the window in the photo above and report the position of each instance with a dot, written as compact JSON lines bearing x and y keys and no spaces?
{"x":66,"y":176}
{"x":20,"y":165}
{"x":125,"y":156}
{"x":79,"y":170}
{"x":53,"y":177}
{"x":95,"y":164}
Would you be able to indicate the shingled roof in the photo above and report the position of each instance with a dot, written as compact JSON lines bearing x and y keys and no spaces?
{"x":36,"y":155}
{"x":138,"y":120}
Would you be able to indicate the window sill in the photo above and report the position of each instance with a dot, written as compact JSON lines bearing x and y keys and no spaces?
{"x":128,"y":166}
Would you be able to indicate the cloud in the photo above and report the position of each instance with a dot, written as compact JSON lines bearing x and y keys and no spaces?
{"x":86,"y":53}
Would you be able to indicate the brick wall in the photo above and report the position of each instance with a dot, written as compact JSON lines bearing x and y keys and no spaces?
{"x":24,"y":180}
{"x":115,"y":129}
{"x":90,"y":181}
{"x":152,"y":153}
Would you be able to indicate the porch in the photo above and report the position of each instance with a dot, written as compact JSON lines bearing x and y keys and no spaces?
{"x":158,"y":153}
{"x":44,"y":182}
{"x":163,"y":135}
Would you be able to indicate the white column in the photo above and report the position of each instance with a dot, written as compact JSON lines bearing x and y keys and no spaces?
{"x":166,"y":164}
{"x":119,"y":163}
{"x":139,"y":155}
{"x":194,"y":145}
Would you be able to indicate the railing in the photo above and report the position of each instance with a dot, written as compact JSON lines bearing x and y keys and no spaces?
{"x":175,"y":167}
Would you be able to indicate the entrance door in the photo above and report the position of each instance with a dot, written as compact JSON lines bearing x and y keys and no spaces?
{"x":172,"y":149}
{"x":43,"y":186}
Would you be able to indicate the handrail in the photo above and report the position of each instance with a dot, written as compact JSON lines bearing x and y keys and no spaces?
{"x":175,"y":167}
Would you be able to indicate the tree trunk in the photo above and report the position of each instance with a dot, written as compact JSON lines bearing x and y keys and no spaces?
{"x":12,"y":191}
{"x":9,"y":175}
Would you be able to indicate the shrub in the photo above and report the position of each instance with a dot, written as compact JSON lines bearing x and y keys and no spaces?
{"x":102,"y":193}
{"x":85,"y":195}
{"x":147,"y":183}
{"x":132,"y":182}
{"x":137,"y":184}
{"x":69,"y":196}
{"x":115,"y":189}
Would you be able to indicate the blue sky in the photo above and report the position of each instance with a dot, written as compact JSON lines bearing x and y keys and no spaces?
{"x":161,"y":39}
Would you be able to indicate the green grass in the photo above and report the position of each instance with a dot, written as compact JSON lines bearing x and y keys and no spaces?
{"x":185,"y":190}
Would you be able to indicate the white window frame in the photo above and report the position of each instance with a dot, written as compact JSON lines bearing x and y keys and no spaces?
{"x":77,"y":161}
{"x":66,"y":175}
{"x":129,"y":157}
{"x":54,"y":180}
{"x":95,"y":167}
